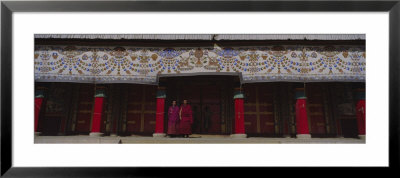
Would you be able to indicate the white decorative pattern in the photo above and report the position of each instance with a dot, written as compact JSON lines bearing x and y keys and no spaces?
{"x":126,"y":64}
{"x":207,"y":36}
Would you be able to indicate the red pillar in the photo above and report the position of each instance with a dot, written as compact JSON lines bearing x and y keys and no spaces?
{"x":97,"y":113}
{"x":301,"y":115}
{"x":159,"y":130}
{"x":38,"y":105}
{"x":39,"y":95}
{"x":360,"y":111}
{"x":239,"y":115}
{"x":361,"y":117}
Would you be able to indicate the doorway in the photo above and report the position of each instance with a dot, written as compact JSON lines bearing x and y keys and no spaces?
{"x":211,"y":99}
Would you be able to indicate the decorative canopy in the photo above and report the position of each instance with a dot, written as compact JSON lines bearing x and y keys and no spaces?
{"x":206,"y":36}
{"x":127,"y":64}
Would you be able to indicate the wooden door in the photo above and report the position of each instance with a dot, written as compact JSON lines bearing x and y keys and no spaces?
{"x":105,"y":115}
{"x":343,"y":105}
{"x":115,"y":108}
{"x":140,"y":110}
{"x":135,"y":96}
{"x":349,"y":127}
{"x":266,"y":109}
{"x":316,"y":110}
{"x":285,"y":109}
{"x":56,"y":109}
{"x":150,"y":107}
{"x":84,"y":108}
{"x":259,"y":109}
{"x":211,"y":109}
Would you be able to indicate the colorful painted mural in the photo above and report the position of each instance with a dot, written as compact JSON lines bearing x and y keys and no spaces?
{"x":124,"y":64}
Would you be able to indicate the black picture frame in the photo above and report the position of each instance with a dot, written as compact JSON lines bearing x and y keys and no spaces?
{"x":8,"y":7}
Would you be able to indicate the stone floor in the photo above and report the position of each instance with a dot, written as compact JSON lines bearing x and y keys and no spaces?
{"x":193,"y":139}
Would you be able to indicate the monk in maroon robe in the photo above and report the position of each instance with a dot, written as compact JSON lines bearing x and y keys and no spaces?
{"x":186,"y":119}
{"x":173,"y":120}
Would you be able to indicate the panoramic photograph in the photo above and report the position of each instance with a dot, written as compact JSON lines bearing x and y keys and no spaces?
{"x":199,"y":88}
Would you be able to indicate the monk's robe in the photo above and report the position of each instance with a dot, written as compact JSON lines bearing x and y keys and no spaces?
{"x":185,"y":125}
{"x":173,"y":120}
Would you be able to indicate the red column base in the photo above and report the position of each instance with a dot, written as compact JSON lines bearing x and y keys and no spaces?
{"x":303,"y":136}
{"x":159,"y":134}
{"x":95,"y":134}
{"x":238,"y":135}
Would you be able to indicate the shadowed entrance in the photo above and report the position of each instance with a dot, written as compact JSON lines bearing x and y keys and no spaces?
{"x":211,"y":98}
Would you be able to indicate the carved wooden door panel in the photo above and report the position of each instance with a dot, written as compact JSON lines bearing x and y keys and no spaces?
{"x":114,"y":110}
{"x":140,"y":109}
{"x":56,"y":109}
{"x":211,"y":118}
{"x":250,"y":109}
{"x":316,"y":110}
{"x":150,"y":106}
{"x":344,"y":110}
{"x":259,"y":109}
{"x":105,"y":116}
{"x":211,"y":109}
{"x":134,"y":98}
{"x":266,"y":108}
{"x":84,"y":108}
{"x":285,"y":109}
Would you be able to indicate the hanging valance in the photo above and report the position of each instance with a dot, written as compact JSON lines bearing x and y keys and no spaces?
{"x":124,"y":64}
{"x":206,"y":36}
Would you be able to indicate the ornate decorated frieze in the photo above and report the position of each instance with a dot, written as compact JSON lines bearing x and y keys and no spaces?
{"x":126,"y":64}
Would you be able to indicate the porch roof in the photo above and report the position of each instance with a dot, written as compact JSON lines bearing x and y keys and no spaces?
{"x":217,"y":37}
